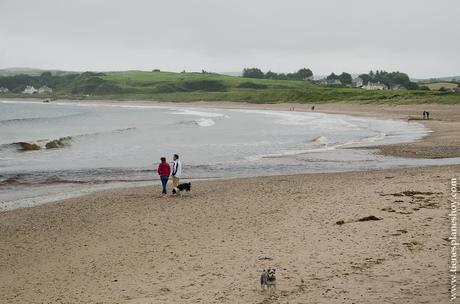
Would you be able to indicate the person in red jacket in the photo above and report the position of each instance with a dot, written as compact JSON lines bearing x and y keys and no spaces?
{"x":164,"y":170}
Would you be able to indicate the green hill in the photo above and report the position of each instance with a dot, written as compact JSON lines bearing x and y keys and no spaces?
{"x":168,"y":86}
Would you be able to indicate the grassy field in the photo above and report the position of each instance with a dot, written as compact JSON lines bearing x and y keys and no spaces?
{"x":184,"y":87}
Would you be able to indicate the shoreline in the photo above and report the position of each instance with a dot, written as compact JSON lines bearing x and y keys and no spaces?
{"x":441,"y":142}
{"x":424,"y":148}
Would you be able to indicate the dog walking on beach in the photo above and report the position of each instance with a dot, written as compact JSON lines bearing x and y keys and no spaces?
{"x":181,"y":188}
{"x":268,"y":279}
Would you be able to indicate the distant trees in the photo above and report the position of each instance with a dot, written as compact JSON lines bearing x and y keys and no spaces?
{"x":390,"y":79}
{"x":332,"y":77}
{"x":253,"y":73}
{"x":46,"y":75}
{"x":304,"y":73}
{"x":345,"y":78}
{"x":301,"y":74}
{"x":270,"y":75}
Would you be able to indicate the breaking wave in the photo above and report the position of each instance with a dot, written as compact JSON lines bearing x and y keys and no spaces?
{"x":207,"y":119}
{"x":326,"y":146}
{"x":202,"y":122}
{"x":205,"y":122}
{"x":198,"y":113}
{"x":43,"y":144}
{"x":62,"y":142}
{"x":321,"y":140}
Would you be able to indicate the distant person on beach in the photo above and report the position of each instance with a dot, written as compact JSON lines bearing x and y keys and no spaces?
{"x":313,"y":108}
{"x":164,"y":170}
{"x":176,"y":170}
{"x":424,"y":114}
{"x":427,"y":115}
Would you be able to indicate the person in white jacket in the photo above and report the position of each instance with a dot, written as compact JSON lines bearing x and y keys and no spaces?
{"x":176,"y":170}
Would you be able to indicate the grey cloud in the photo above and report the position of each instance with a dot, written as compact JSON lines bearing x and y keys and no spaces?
{"x":419,"y":37}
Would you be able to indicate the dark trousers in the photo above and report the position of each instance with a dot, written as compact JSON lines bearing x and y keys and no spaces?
{"x":164,"y":181}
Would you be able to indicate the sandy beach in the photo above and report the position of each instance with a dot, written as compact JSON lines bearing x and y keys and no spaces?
{"x":209,"y":246}
{"x":129,"y":246}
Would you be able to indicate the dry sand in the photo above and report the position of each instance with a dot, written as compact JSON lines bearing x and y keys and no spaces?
{"x":129,"y":246}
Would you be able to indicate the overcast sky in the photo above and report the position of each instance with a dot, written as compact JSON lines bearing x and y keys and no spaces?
{"x":419,"y":37}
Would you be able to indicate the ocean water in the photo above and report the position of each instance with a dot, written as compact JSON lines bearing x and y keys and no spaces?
{"x":54,"y":150}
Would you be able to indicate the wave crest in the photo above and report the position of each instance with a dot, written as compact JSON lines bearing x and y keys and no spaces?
{"x":321,"y":140}
{"x":44,"y":144}
{"x":62,"y":142}
{"x":204,"y":122}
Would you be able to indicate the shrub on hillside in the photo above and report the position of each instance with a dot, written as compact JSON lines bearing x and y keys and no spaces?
{"x":252,"y":85}
{"x":204,"y":85}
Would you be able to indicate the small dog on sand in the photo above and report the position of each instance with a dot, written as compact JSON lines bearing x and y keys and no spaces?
{"x":182,"y":187}
{"x":268,"y":279}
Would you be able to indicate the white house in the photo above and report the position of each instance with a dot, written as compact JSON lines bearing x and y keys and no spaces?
{"x":30,"y":90}
{"x":3,"y":90}
{"x":357,"y":82}
{"x":45,"y":90}
{"x":375,"y":86}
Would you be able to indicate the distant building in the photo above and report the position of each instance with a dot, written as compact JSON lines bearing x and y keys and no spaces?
{"x":308,"y":78}
{"x":4,"y":90}
{"x":30,"y":90}
{"x":330,"y":82}
{"x":45,"y":90}
{"x":357,"y":82}
{"x":375,"y":86}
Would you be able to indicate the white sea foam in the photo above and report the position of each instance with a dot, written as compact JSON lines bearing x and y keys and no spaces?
{"x":287,"y":118}
{"x":322,"y":140}
{"x":205,"y":122}
{"x":196,"y":113}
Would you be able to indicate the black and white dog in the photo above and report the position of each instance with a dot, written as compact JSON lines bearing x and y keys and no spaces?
{"x":182,"y":187}
{"x":268,"y":279}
